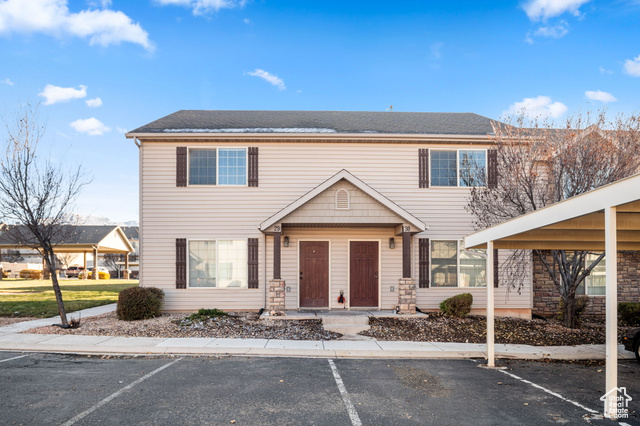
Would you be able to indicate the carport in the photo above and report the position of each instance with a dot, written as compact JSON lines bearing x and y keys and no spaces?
{"x":605,"y":219}
{"x":83,"y":239}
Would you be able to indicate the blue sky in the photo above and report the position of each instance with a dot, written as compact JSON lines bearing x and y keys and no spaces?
{"x":100,"y":67}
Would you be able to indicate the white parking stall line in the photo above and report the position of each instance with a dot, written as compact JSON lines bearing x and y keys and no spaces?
{"x":351,"y":409}
{"x":116,"y":394}
{"x":557,"y":395}
{"x":15,"y":357}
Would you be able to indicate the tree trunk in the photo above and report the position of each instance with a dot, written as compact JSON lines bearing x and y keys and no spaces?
{"x":569,"y":305}
{"x":50,"y":260}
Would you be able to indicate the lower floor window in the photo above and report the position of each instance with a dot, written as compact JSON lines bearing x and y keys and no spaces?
{"x":596,"y":281}
{"x":218,"y":263}
{"x":452,"y":266}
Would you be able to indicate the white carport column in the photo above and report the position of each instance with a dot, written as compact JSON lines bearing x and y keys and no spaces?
{"x":490,"y":307}
{"x":611,"y":264}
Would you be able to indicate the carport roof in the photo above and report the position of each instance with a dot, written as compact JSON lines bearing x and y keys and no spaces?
{"x":574,"y":224}
{"x":107,"y":239}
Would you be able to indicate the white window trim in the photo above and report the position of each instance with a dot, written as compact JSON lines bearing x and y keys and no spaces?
{"x":584,"y":282}
{"x":457,"y":185}
{"x":216,"y":288}
{"x":217,"y":185}
{"x":459,"y":245}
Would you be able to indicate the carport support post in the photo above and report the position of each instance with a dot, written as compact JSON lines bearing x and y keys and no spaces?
{"x":611,"y":265}
{"x":490,"y":308}
{"x":94,"y":274}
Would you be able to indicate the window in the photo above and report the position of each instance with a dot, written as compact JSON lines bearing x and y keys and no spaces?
{"x":221,"y":166}
{"x":219,"y":264}
{"x":458,"y":168}
{"x":596,"y":282}
{"x":452,"y":266}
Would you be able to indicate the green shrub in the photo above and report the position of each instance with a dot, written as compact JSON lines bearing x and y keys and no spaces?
{"x":205,"y":314}
{"x":136,"y":303}
{"x":457,"y":306}
{"x":629,"y":313}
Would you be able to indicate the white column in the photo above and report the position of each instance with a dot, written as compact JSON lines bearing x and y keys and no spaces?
{"x":611,"y":263}
{"x":490,"y":307}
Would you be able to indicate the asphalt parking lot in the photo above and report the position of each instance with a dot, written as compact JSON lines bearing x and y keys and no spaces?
{"x":44,"y":389}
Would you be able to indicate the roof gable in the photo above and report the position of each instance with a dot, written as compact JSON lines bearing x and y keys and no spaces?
{"x":317,"y":207}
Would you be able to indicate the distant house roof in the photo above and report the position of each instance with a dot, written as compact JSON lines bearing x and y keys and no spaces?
{"x":106,"y":238}
{"x":131,"y":232}
{"x":389,"y":122}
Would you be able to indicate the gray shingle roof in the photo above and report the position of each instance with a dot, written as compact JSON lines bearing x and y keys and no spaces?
{"x":197,"y":121}
{"x":83,"y":234}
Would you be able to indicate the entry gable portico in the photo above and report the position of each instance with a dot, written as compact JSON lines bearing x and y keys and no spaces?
{"x":317,"y":208}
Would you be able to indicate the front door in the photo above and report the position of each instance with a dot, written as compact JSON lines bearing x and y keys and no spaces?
{"x":314,"y":274}
{"x":363,"y":275}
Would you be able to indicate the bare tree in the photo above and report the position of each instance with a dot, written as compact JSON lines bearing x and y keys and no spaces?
{"x":539,"y":165}
{"x":113,"y":262}
{"x":36,"y":194}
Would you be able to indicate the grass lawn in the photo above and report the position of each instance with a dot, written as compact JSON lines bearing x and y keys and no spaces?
{"x":35,"y":298}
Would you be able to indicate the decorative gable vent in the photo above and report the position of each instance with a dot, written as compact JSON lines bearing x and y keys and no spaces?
{"x":343,"y":201}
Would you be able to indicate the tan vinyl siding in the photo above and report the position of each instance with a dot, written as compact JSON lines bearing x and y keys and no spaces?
{"x":287,"y":172}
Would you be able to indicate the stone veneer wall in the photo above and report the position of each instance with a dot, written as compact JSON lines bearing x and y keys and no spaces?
{"x":546,"y":296}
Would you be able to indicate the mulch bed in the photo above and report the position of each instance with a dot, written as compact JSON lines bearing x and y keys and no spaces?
{"x":473,"y":329}
{"x":237,"y":325}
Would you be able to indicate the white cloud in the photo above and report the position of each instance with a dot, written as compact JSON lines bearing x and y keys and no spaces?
{"x":538,"y":107}
{"x":553,"y":31}
{"x":543,"y":9}
{"x":203,"y":7}
{"x":632,"y":66}
{"x":93,"y":103}
{"x":91,"y":126}
{"x":272,"y":79}
{"x":103,"y":27}
{"x":6,"y":81}
{"x":54,"y":94}
{"x":121,"y":130}
{"x":599,"y":95}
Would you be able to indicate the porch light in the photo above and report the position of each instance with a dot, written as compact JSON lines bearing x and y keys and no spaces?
{"x":286,"y":241}
{"x":392,"y":243}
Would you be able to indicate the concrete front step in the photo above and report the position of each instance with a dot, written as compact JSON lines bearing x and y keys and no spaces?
{"x":343,"y":324}
{"x":346,"y":329}
{"x":345,"y":320}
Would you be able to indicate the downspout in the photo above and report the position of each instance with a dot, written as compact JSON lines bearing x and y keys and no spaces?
{"x":264,"y":270}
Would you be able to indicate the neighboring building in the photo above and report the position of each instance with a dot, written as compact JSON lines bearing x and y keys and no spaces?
{"x":242,"y":210}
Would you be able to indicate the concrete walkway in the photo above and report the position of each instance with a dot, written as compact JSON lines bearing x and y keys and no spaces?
{"x":12,"y":339}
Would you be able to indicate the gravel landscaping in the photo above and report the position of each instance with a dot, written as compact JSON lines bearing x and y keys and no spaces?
{"x":432,"y":328}
{"x":473,"y":329}
{"x":237,"y":325}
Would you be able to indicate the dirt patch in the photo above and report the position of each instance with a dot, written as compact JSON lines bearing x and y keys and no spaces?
{"x":239,"y":325}
{"x":473,"y":329}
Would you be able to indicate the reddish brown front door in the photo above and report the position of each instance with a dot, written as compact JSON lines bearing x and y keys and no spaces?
{"x":314,"y":274}
{"x":363,"y":275}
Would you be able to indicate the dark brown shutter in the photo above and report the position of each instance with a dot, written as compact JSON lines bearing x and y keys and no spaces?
{"x":423,"y":168}
{"x":181,"y":263}
{"x":253,"y":262}
{"x":253,"y":166}
{"x":423,"y":263}
{"x":495,"y":268}
{"x":492,"y":168}
{"x":181,"y":166}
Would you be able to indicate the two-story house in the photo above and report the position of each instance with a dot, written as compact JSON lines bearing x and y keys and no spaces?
{"x":287,"y":210}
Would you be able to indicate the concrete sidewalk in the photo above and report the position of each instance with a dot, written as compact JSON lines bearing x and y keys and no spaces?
{"x":11,"y":339}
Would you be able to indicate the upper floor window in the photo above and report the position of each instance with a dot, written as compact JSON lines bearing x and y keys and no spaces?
{"x":464,"y":167}
{"x":217,"y":166}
